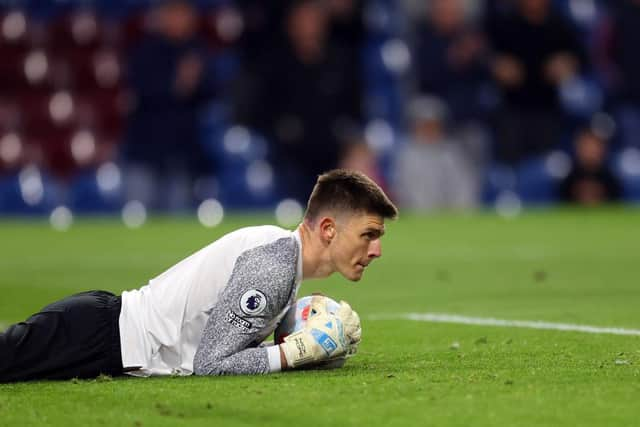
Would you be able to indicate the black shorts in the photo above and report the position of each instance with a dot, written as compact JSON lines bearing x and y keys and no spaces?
{"x":76,"y":337}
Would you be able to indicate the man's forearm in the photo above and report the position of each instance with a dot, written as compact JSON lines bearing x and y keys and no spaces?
{"x":283,"y":359}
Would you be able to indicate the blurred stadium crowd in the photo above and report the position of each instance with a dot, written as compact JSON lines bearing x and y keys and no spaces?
{"x":448,"y":104}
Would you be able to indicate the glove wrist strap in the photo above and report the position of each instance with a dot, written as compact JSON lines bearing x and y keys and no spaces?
{"x":297,"y":349}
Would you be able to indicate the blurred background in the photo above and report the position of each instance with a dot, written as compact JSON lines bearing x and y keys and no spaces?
{"x":135,"y":106}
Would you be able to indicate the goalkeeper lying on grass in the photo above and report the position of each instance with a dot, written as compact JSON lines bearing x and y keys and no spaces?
{"x":209,"y":313}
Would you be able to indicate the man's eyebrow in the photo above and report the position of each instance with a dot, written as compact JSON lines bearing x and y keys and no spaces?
{"x":379,"y":231}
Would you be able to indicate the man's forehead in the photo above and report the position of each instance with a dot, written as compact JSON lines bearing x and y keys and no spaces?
{"x":357,"y":219}
{"x":366,"y":220}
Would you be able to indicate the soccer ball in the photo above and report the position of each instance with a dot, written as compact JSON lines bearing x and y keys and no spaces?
{"x":297,"y":316}
{"x":296,"y":319}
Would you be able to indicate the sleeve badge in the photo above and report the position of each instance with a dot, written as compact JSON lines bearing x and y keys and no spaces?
{"x":253,"y":302}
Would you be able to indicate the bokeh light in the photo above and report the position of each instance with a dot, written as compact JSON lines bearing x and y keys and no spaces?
{"x":289,"y":212}
{"x":134,"y":214}
{"x":508,"y":204}
{"x":210,"y":213}
{"x":61,"y":218}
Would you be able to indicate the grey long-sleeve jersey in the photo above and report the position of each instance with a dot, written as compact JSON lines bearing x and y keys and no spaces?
{"x":208,"y":313}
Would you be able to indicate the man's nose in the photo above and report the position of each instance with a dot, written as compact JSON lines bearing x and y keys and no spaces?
{"x":375,"y":249}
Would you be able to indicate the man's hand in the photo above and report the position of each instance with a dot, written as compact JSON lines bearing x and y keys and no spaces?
{"x":352,"y":328}
{"x":327,"y":339}
{"x":322,"y":338}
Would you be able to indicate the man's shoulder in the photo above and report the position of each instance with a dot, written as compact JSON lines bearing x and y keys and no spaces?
{"x":261,"y":234}
{"x":264,"y":241}
{"x":271,"y":248}
{"x":236,"y":244}
{"x":267,"y":228}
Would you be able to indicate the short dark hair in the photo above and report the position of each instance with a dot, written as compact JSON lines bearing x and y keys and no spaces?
{"x":351,"y":191}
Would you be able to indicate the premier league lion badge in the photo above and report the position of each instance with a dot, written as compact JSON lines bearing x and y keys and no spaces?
{"x":253,"y":302}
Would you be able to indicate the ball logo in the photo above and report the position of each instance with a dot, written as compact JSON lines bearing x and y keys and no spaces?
{"x":253,"y":302}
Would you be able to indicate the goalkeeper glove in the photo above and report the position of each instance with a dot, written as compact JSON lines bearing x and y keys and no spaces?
{"x":322,"y":338}
{"x":352,"y":329}
{"x":353,"y":333}
{"x":350,"y":321}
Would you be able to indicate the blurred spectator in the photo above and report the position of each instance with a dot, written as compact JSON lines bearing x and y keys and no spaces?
{"x":346,"y":23}
{"x":590,"y":181}
{"x":357,"y":155}
{"x":262,"y":22}
{"x":619,"y":38}
{"x":434,"y":169}
{"x":449,"y":57}
{"x":170,"y":82}
{"x":535,"y":51}
{"x":301,"y":95}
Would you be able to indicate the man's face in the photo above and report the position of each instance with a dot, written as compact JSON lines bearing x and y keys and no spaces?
{"x":590,"y":150}
{"x":308,"y":23}
{"x":447,"y":15}
{"x":535,"y":8}
{"x":178,"y":21}
{"x":356,"y":243}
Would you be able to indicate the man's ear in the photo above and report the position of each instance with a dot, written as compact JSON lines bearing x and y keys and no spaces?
{"x":327,"y":227}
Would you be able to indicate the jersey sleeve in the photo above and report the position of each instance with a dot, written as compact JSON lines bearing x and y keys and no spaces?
{"x":259,"y":289}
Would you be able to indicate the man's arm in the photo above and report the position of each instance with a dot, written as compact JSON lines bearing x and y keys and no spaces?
{"x":283,"y":360}
{"x":325,"y":338}
{"x":258,"y":290}
{"x":228,"y":343}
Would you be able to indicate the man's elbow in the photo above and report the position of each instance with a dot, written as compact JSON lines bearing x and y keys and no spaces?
{"x":222,"y":363}
{"x":210,"y":369}
{"x":203,"y":365}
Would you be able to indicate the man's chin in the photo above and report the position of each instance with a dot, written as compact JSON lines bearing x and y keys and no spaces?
{"x":353,"y":275}
{"x":356,"y":276}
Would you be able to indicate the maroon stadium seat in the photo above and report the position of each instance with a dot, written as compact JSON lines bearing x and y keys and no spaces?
{"x":61,"y":88}
{"x":110,"y":109}
{"x":55,"y":147}
{"x":80,"y":31}
{"x":12,"y":76}
{"x":17,"y":151}
{"x":32,"y":71}
{"x":14,"y":32}
{"x":9,"y":115}
{"x":42,"y":114}
{"x":134,"y":28}
{"x":91,"y":71}
{"x":11,"y":151}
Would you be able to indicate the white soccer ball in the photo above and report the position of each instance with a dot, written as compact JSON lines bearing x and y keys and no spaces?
{"x":297,"y":316}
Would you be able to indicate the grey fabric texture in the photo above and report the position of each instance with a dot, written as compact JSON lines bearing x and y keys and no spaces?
{"x":232,"y":333}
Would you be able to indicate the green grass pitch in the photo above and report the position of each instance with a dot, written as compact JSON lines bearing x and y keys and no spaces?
{"x":557,"y":266}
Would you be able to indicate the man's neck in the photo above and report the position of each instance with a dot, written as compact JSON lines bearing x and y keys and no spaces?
{"x":315,"y":262}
